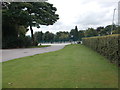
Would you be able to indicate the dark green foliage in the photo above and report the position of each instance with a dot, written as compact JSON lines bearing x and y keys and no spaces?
{"x":90,"y":32}
{"x":107,"y":46}
{"x":74,"y":34}
{"x":51,"y":37}
{"x":14,"y":26}
{"x":81,"y":34}
{"x":13,"y":36}
{"x":38,"y":36}
{"x":48,"y":37}
{"x":108,"y":29}
{"x":24,"y":41}
{"x":17,"y":16}
{"x":116,"y":30}
{"x":19,"y":42}
{"x":62,"y":36}
{"x":40,"y":13}
{"x":9,"y":42}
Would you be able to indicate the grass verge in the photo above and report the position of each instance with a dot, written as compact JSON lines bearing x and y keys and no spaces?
{"x":0,"y":75}
{"x":75,"y":66}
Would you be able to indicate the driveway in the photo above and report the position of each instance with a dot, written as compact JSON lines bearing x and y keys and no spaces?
{"x":9,"y":54}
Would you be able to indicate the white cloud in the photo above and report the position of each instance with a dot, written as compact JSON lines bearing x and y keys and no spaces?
{"x":83,"y":13}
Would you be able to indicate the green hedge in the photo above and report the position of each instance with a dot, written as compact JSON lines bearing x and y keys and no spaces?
{"x":107,"y":46}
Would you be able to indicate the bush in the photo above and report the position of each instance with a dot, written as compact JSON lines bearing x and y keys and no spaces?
{"x":9,"y":42}
{"x":19,"y":42}
{"x":107,"y":46}
{"x":24,"y":41}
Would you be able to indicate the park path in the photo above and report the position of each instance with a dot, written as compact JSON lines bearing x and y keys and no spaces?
{"x":9,"y":54}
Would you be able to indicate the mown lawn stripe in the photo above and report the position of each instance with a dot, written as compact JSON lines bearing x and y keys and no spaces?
{"x":74,"y":66}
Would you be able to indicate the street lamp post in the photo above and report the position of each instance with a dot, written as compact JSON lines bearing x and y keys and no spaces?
{"x":113,"y":20}
{"x":119,"y":13}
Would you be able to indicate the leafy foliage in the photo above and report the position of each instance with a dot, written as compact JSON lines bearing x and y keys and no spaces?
{"x":74,"y":34}
{"x":38,"y":36}
{"x":17,"y":16}
{"x":81,"y":34}
{"x":90,"y":32}
{"x":62,"y":36}
{"x":106,"y":46}
{"x":48,"y":37}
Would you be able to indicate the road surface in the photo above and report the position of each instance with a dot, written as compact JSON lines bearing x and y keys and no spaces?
{"x":9,"y":54}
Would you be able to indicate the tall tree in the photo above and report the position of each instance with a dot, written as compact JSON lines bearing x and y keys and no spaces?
{"x":41,"y":13}
{"x":81,"y":34}
{"x":14,"y":24}
{"x":74,"y":34}
{"x":90,"y":32}
{"x":30,"y":14}
{"x":38,"y":36}
{"x":62,"y":36}
{"x":99,"y":30}
{"x":48,"y":37}
{"x":116,"y":30}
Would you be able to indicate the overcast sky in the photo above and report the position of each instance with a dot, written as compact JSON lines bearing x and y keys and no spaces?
{"x":81,"y":13}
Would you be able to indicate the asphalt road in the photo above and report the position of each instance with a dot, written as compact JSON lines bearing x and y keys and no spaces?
{"x":9,"y":54}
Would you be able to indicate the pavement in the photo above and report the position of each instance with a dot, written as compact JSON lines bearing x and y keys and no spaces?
{"x":9,"y":54}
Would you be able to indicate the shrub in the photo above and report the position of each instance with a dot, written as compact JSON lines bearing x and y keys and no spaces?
{"x":9,"y":42}
{"x":107,"y":46}
{"x":24,"y":41}
{"x":19,"y":42}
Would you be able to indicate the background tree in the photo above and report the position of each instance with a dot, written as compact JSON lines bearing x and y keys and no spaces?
{"x":90,"y":32}
{"x":48,"y":37}
{"x":74,"y":34}
{"x":24,"y":14}
{"x":116,"y":29}
{"x":41,"y":13}
{"x":81,"y":34}
{"x":99,"y":30}
{"x":107,"y":30}
{"x":62,"y":36}
{"x":38,"y":36}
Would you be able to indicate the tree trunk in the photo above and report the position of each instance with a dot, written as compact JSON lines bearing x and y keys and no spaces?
{"x":33,"y":41}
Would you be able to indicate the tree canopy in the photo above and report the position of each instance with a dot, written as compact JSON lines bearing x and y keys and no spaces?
{"x":74,"y":34}
{"x":17,"y":15}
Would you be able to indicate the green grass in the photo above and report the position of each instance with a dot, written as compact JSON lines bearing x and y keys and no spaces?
{"x":75,"y":66}
{"x":0,"y":76}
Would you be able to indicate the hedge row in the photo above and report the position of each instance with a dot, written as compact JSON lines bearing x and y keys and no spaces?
{"x":108,"y":46}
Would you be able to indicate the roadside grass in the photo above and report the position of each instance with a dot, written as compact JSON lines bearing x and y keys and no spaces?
{"x":75,"y":66}
{"x":0,"y":75}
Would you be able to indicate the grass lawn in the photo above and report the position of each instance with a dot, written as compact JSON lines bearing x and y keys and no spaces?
{"x":75,"y":66}
{"x":0,"y":76}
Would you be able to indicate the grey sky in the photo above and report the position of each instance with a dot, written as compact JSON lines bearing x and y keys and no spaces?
{"x":83,"y":13}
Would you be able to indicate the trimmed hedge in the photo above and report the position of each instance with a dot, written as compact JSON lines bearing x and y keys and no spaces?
{"x":107,"y":46}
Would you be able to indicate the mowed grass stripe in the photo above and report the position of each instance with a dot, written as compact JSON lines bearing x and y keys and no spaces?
{"x":75,"y":66}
